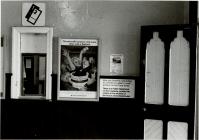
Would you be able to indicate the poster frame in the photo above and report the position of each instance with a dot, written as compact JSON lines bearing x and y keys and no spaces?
{"x":67,"y":94}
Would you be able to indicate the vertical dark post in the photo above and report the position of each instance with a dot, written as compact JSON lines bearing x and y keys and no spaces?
{"x":8,"y":86}
{"x":192,"y":84}
{"x":193,"y":20}
{"x":193,"y":12}
{"x":54,"y":87}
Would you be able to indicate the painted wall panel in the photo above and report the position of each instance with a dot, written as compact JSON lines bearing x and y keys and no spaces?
{"x":33,"y":43}
{"x":154,"y":73}
{"x":153,"y":129}
{"x":177,"y":131}
{"x":179,"y":69}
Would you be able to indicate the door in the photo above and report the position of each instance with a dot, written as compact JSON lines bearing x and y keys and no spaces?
{"x":168,"y":64}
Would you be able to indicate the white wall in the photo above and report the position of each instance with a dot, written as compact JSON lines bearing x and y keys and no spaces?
{"x":115,"y":23}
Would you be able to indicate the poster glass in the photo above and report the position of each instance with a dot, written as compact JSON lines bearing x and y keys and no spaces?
{"x":77,"y":70}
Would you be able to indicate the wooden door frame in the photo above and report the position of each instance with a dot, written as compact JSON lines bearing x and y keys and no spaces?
{"x":16,"y":60}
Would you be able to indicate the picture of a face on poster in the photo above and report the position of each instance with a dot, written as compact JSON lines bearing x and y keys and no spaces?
{"x":78,"y":69}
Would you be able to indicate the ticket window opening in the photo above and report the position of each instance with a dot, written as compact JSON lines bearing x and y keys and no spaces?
{"x":33,"y":74}
{"x":31,"y":63}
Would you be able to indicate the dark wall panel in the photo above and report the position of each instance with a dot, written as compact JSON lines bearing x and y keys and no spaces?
{"x":67,"y":119}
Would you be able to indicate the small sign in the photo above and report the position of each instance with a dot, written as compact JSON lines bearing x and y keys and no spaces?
{"x":117,"y":87}
{"x":79,"y":42}
{"x":33,"y":14}
{"x":116,"y":64}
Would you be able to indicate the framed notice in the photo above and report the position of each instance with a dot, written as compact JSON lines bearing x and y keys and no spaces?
{"x":117,"y":86}
{"x":77,"y":70}
{"x":116,"y":64}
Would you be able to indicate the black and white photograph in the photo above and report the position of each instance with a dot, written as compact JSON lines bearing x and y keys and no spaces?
{"x":78,"y":68}
{"x":99,"y":69}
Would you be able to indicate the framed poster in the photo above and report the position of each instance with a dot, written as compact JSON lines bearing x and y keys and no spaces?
{"x":117,"y":86}
{"x":77,"y":69}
